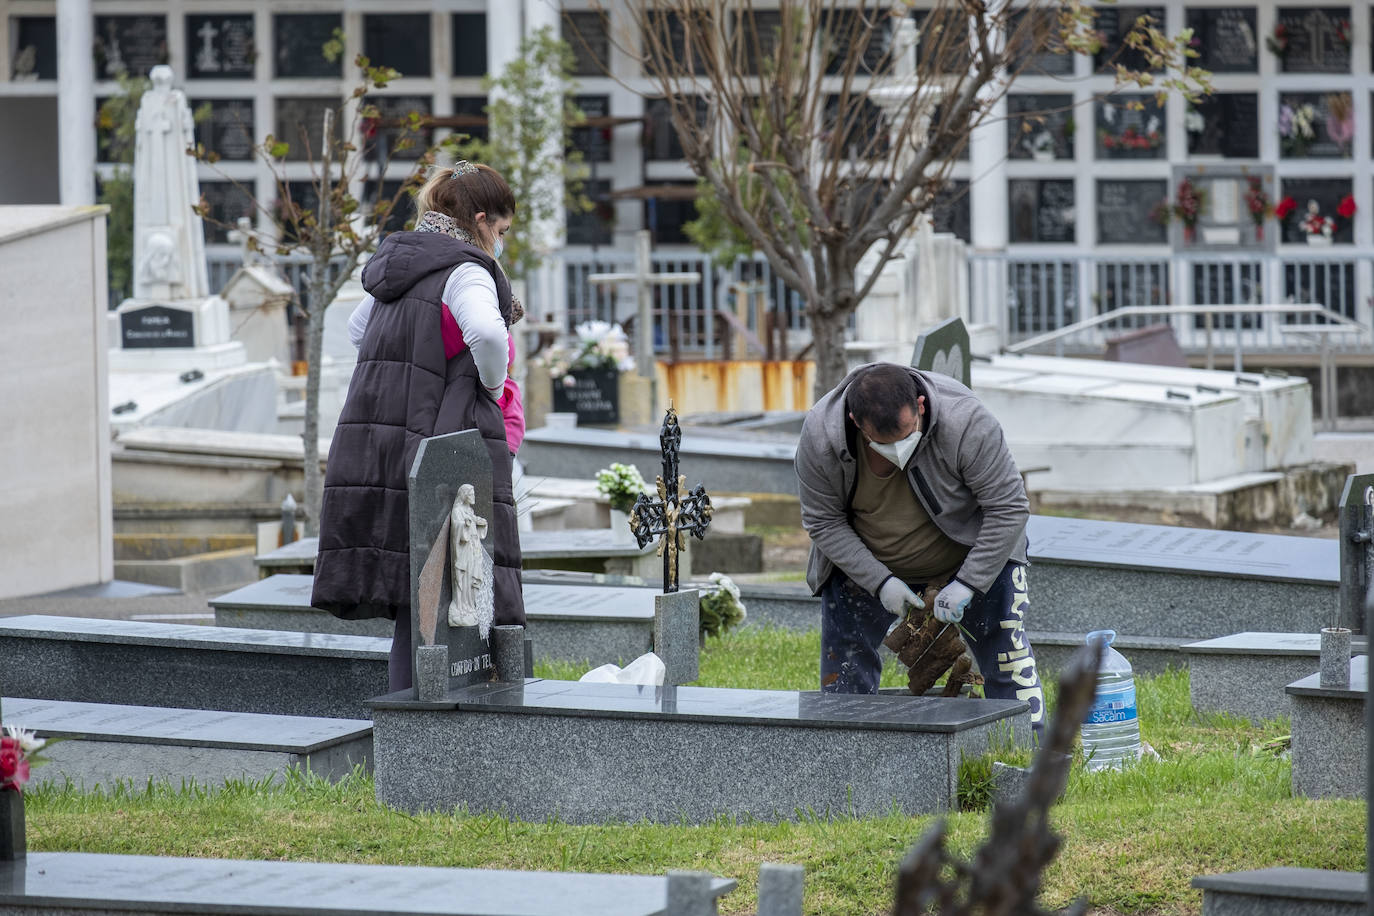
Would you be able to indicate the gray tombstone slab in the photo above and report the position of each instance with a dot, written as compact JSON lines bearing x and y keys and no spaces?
{"x":677,"y":639}
{"x":1246,"y":674}
{"x":681,"y":753}
{"x":442,"y":465}
{"x":73,"y":882}
{"x":191,"y":667}
{"x":106,"y":744}
{"x":944,"y":349}
{"x":1357,"y":551}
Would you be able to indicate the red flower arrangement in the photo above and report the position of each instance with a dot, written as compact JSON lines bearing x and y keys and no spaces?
{"x":1188,"y":203}
{"x":1130,"y":138}
{"x":1343,"y":33}
{"x":1347,"y":207}
{"x":1258,"y":203}
{"x":1277,"y":43}
{"x":1314,"y":224}
{"x":18,"y":752}
{"x":1285,"y":208}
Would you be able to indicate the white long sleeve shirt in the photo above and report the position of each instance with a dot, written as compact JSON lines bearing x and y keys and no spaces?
{"x":470,"y":296}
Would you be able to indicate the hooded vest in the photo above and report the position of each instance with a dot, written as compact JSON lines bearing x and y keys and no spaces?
{"x":402,"y":391}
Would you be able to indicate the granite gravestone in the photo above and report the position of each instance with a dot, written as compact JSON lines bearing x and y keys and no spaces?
{"x":944,"y":348}
{"x":1114,"y":24}
{"x":1126,"y":208}
{"x":1224,"y":124}
{"x":1040,"y":126}
{"x":444,"y":464}
{"x":1226,"y":38}
{"x":228,"y":129}
{"x":1315,"y":39}
{"x":1041,"y":210}
{"x":129,"y":44}
{"x":220,"y":47}
{"x":299,"y":44}
{"x":1357,"y":552}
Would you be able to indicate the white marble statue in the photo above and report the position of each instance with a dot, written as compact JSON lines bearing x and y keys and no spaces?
{"x":169,"y":245}
{"x":472,"y":603}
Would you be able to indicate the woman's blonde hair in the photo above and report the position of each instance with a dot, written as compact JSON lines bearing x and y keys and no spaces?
{"x":462,"y":191}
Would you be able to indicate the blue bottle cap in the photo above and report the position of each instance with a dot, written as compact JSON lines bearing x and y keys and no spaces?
{"x":1105,"y":636}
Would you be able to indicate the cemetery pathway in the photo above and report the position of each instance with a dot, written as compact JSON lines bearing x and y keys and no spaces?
{"x":164,"y":608}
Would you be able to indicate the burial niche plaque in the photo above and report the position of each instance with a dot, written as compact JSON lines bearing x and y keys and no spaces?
{"x":129,"y":44}
{"x":299,"y":40}
{"x":1316,"y":125}
{"x":1224,"y":124}
{"x":228,"y":129}
{"x":1041,"y":127}
{"x":156,"y":326}
{"x":1310,"y":39}
{"x":1130,"y":127}
{"x":34,"y":45}
{"x":1226,"y":38}
{"x":1042,"y":211}
{"x":1127,"y":212}
{"x":220,"y":47}
{"x":1114,"y":23}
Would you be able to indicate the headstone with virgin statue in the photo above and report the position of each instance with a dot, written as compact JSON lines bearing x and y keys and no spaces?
{"x":451,"y":587}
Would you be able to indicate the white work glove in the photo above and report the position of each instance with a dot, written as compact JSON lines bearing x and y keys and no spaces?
{"x":952,"y":601}
{"x":895,"y":596}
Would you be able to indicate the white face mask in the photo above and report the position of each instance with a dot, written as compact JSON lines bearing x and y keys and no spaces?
{"x":899,"y":452}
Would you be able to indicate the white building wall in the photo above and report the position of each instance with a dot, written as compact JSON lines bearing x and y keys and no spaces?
{"x":56,"y":515}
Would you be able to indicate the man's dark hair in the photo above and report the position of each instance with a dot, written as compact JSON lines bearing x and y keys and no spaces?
{"x":878,"y":395}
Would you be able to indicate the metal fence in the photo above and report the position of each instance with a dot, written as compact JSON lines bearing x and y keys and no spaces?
{"x":1032,"y":294}
{"x":1023,"y":295}
{"x":687,"y":319}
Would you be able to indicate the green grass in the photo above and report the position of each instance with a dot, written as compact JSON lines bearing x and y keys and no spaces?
{"x":1216,"y":800}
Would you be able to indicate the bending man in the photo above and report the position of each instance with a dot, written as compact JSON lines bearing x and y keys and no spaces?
{"x":907,"y":487}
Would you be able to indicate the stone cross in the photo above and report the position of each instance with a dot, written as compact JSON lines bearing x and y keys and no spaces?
{"x":644,"y":279}
{"x":207,"y":57}
{"x":671,"y":514}
{"x":1357,"y":553}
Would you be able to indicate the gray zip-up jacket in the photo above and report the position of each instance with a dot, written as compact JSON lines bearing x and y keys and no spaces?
{"x":962,"y":473}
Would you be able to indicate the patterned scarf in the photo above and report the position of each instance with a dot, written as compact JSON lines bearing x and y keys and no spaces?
{"x":434,"y":221}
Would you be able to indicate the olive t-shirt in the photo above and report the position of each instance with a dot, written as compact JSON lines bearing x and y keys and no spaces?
{"x":892,"y":523}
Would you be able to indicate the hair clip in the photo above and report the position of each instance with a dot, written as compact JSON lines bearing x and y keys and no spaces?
{"x":463,"y":167}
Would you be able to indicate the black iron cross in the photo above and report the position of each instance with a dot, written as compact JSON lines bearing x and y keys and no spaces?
{"x":671,"y":514}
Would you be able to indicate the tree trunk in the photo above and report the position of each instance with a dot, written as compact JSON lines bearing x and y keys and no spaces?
{"x":314,"y":352}
{"x":827,"y":335}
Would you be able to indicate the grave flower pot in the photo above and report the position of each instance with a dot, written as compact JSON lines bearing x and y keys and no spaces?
{"x":12,"y":841}
{"x":1319,"y":240}
{"x":620,"y":527}
{"x":592,"y":394}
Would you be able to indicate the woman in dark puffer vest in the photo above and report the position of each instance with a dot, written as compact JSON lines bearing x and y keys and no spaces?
{"x":432,"y":360}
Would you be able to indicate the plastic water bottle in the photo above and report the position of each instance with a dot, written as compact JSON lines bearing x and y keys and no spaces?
{"x":1111,"y":731}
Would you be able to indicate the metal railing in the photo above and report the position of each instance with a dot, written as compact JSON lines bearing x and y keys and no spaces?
{"x":1027,"y":295}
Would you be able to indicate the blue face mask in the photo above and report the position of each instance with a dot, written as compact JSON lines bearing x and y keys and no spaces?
{"x":498,"y":248}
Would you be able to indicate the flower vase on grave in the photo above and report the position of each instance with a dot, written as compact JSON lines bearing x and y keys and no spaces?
{"x":12,"y":841}
{"x":1319,"y":240}
{"x":620,"y":527}
{"x":1189,"y":234}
